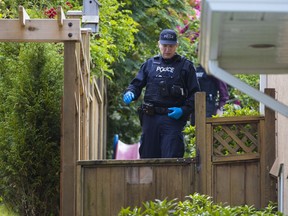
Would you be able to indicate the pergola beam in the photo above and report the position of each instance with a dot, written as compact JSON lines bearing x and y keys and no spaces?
{"x":25,"y":29}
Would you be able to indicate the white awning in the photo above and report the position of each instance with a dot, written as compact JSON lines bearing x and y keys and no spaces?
{"x":245,"y":37}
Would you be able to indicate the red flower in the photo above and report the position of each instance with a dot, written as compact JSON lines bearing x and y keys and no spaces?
{"x":69,"y":4}
{"x":51,"y":13}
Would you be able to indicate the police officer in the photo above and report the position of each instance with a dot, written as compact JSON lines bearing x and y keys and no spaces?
{"x":170,"y":82}
{"x":216,"y":93}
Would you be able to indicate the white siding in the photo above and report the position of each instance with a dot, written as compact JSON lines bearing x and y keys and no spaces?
{"x":280,"y":83}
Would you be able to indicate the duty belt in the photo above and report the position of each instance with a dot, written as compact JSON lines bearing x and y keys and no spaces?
{"x":161,"y":110}
{"x":149,"y":109}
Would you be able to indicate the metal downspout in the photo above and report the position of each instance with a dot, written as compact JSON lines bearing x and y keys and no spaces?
{"x":268,"y":101}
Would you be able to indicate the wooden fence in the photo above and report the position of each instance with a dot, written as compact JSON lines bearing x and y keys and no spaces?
{"x":233,"y":168}
{"x":108,"y":185}
{"x":83,"y":119}
{"x":234,"y":157}
{"x":88,"y":94}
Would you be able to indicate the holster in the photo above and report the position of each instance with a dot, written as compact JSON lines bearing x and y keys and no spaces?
{"x":148,"y":108}
{"x":145,"y":108}
{"x":140,"y":114}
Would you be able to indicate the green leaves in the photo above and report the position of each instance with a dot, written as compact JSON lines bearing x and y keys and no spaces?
{"x":150,"y":18}
{"x":196,"y":204}
{"x":116,"y":37}
{"x":190,"y":141}
{"x":31,"y":90}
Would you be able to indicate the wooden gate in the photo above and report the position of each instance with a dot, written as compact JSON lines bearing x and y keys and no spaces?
{"x":235,"y":156}
{"x":105,"y":186}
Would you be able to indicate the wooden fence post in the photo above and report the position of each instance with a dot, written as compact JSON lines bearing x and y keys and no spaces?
{"x":268,"y":155}
{"x":69,"y":144}
{"x":200,"y":122}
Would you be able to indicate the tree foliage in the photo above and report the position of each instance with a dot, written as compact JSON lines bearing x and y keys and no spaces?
{"x":246,"y":101}
{"x":115,"y":39}
{"x":31,"y":88}
{"x":152,"y":17}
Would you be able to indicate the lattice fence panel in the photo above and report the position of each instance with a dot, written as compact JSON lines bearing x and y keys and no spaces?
{"x":235,"y":139}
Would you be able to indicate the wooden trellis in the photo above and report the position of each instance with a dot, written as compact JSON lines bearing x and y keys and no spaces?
{"x":235,"y":155}
{"x":236,"y":140}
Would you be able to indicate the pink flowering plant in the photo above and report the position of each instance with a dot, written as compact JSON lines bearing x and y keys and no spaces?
{"x":190,"y":28}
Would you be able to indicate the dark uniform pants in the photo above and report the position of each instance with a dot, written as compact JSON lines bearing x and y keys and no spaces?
{"x":161,"y":137}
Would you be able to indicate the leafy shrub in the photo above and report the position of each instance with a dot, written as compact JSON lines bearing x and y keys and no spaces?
{"x":231,"y":110}
{"x":196,"y":204}
{"x":6,"y":211}
{"x":190,"y":141}
{"x":30,"y":91}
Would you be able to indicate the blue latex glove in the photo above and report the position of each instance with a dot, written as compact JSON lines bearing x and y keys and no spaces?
{"x":176,"y":113}
{"x":128,"y":97}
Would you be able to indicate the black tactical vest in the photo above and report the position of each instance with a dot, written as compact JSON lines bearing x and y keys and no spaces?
{"x":165,"y":85}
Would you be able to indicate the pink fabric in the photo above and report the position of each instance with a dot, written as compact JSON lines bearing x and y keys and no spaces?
{"x":127,"y":151}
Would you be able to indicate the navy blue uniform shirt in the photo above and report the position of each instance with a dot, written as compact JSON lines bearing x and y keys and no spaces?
{"x":177,"y":71}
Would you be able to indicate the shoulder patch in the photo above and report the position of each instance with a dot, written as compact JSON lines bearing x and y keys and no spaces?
{"x":156,"y":57}
{"x":189,"y":61}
